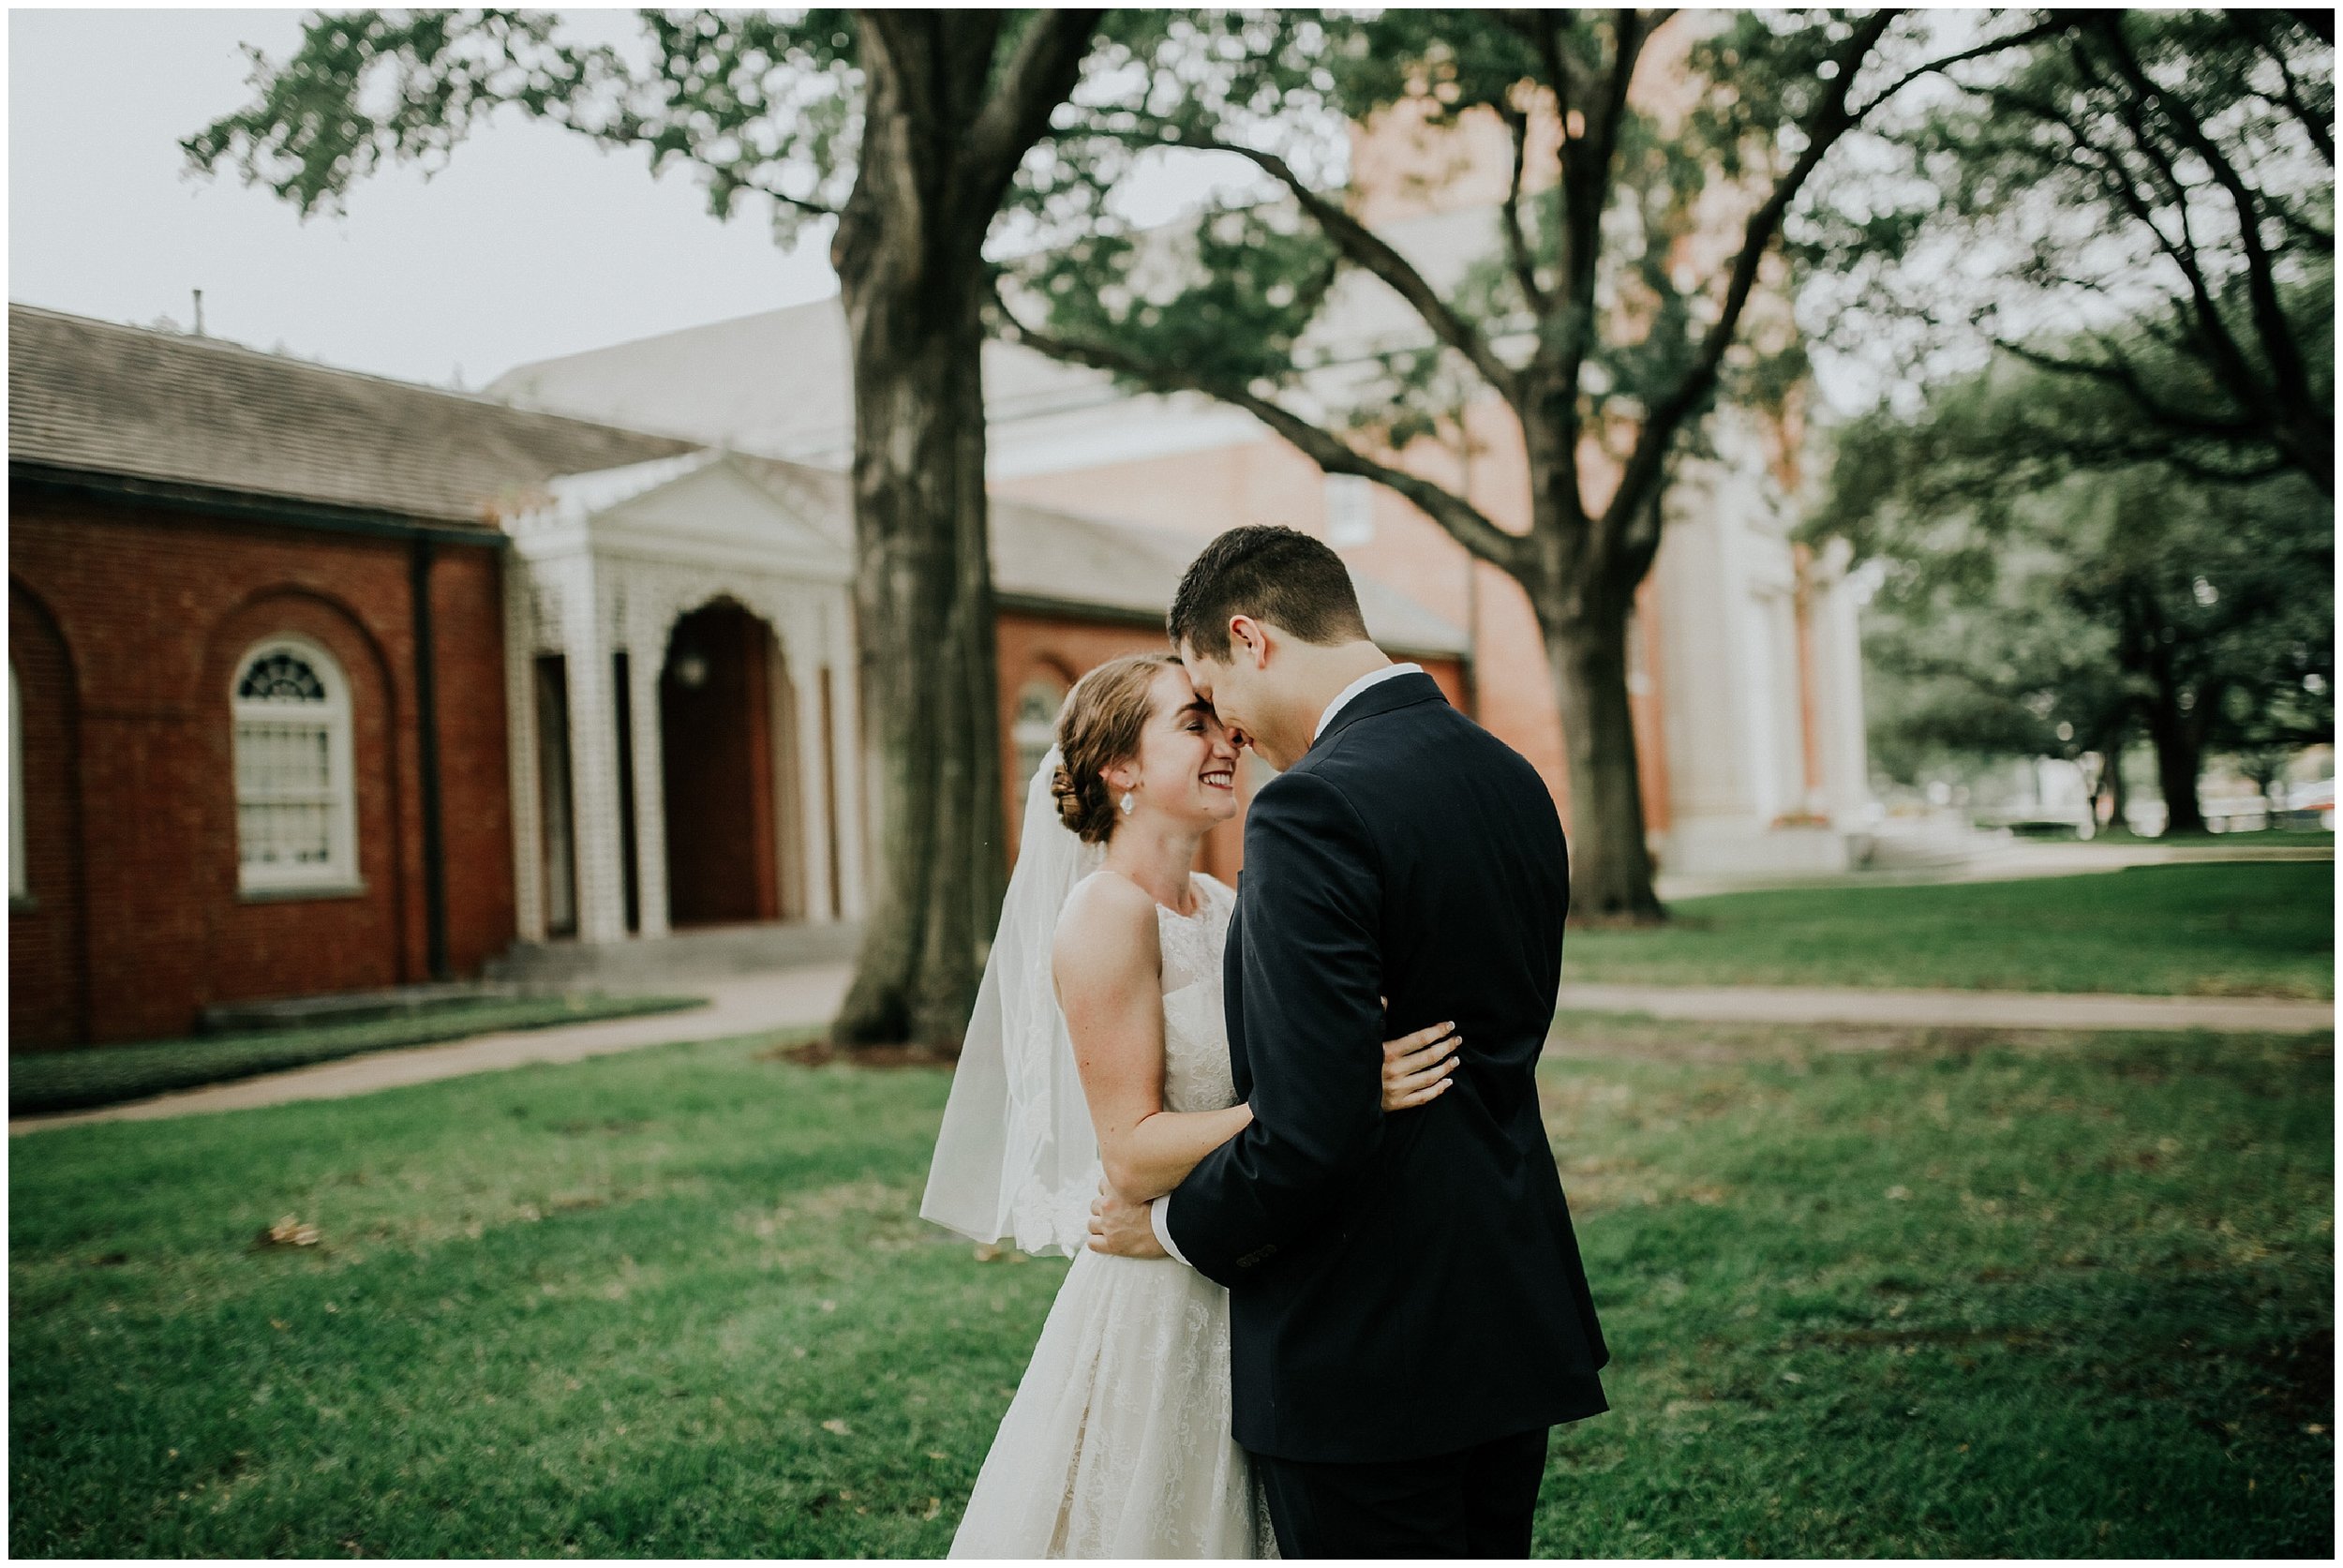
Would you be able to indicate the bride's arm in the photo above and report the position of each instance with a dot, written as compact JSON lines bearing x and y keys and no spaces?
{"x":1107,"y":964}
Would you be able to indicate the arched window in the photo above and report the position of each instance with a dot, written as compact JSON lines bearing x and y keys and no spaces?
{"x":1035,"y":730}
{"x":296,"y":819}
{"x":1349,"y":510}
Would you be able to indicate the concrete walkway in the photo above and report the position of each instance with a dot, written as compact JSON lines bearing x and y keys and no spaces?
{"x":1969,"y":1010}
{"x":799,"y":998}
{"x":2016,"y":860}
{"x":737,"y":1004}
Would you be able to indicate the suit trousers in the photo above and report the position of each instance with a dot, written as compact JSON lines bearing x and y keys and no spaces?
{"x":1475,"y":1502}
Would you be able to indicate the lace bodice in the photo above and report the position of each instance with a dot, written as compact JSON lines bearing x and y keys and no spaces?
{"x":1195,"y":1030}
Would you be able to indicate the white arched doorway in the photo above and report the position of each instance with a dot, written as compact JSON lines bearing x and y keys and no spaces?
{"x":697,"y":629}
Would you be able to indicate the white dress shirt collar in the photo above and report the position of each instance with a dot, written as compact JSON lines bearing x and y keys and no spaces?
{"x":1370,"y":679}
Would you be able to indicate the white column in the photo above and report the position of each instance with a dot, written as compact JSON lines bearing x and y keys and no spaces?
{"x":1839,"y":654}
{"x":814,"y":788}
{"x":593,"y":762}
{"x":848,"y":784}
{"x":1777,"y":774}
{"x":646,"y":653}
{"x":521,"y":746}
{"x":1703,"y":661}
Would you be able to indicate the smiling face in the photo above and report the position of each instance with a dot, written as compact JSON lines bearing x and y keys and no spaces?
{"x":1185,"y":765}
{"x":1245,"y":691}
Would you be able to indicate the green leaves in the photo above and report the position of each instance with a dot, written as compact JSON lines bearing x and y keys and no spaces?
{"x":761,"y":102}
{"x":2051,"y":573}
{"x":370,"y":87}
{"x":1229,"y":300}
{"x":2170,"y":169}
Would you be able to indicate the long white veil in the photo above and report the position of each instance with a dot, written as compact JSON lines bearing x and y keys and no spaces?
{"x":1017,"y":1157}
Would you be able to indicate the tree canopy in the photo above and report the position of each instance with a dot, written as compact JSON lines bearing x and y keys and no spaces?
{"x":2162,"y":180}
{"x":2036,"y":599}
{"x":1628,"y":277}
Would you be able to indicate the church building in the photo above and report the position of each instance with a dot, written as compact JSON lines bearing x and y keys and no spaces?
{"x":1744,"y":657}
{"x":325,"y":683}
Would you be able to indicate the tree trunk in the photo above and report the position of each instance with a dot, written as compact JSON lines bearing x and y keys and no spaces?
{"x":2265,"y":775}
{"x":2179,"y":760}
{"x":1610,"y":863}
{"x":909,"y":262}
{"x":2308,"y":441}
{"x":2111,"y":780}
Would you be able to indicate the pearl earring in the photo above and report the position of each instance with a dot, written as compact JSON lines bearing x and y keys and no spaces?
{"x":1127,"y":803}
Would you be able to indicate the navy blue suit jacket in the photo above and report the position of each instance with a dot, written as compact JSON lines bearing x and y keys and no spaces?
{"x":1401,"y":1285}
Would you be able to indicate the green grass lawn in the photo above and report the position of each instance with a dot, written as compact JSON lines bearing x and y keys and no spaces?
{"x":47,"y":1081}
{"x":2220,"y":929}
{"x":1920,"y":1295}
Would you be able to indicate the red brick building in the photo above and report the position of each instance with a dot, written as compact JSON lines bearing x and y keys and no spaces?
{"x":288,"y":714}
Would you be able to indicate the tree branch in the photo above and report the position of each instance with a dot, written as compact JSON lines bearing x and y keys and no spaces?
{"x":1831,"y":121}
{"x":1463,"y":522}
{"x":2270,"y":323}
{"x":812,"y":209}
{"x":1587,"y":183}
{"x":1516,"y":243}
{"x":1039,"y":78}
{"x":1628,"y":33}
{"x":2226,"y":358}
{"x":2322,"y":133}
{"x":1370,"y":252}
{"x":1991,"y":46}
{"x":2121,"y":376}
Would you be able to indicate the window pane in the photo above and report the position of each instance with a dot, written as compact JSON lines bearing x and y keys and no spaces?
{"x":291,"y":741}
{"x":280,"y":760}
{"x":286,"y":834}
{"x":1349,"y":510}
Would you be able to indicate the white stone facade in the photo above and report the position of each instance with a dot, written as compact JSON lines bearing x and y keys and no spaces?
{"x":609,"y":563}
{"x":1767,"y":766}
{"x":1757,"y":664}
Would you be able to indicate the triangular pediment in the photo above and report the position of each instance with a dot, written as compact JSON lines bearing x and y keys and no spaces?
{"x":703,"y":508}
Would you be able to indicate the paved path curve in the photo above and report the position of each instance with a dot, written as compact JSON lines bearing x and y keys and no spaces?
{"x":1973,"y":1009}
{"x":739,"y":1005}
{"x":797,"y":998}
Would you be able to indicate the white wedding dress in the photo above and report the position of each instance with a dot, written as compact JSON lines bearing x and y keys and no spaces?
{"x":1117,"y":1443}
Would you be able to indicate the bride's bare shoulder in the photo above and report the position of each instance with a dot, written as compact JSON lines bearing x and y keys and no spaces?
{"x":1108,"y":923}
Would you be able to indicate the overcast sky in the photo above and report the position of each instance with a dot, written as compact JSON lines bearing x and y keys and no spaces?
{"x":531,"y":241}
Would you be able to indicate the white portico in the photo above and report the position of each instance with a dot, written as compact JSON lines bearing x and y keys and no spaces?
{"x":678,"y":675}
{"x":1759,"y":647}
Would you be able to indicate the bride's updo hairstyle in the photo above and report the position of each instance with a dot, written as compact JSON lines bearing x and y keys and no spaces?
{"x":1099,"y":727}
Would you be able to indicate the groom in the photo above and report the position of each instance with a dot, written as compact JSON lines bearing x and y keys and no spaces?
{"x":1409,"y":1316}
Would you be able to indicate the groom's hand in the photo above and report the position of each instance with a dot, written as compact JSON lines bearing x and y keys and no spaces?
{"x":1122,"y":1227}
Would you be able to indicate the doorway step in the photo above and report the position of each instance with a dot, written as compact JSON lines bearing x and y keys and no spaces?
{"x":357,"y":1007}
{"x":695,"y":952}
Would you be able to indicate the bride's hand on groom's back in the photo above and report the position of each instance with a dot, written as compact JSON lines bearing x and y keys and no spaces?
{"x":1416,"y":1067}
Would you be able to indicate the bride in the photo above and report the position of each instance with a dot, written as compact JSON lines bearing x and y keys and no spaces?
{"x":1098,"y":1043}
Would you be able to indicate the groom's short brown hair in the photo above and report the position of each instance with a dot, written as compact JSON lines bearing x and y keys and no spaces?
{"x":1277,"y":574}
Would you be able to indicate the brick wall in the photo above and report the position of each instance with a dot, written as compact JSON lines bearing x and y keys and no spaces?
{"x":129,"y":775}
{"x":1059,"y":649}
{"x":1266,"y":481}
{"x":47,"y":957}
